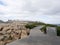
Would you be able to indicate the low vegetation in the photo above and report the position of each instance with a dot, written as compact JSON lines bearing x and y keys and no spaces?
{"x":33,"y":24}
{"x":30,"y":26}
{"x":51,"y":25}
{"x":43,"y":29}
{"x":57,"y":28}
{"x":58,"y":31}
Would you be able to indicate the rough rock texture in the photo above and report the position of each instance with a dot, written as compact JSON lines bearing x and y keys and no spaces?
{"x":12,"y":31}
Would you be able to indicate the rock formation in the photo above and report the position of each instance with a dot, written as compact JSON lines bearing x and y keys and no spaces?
{"x":12,"y":31}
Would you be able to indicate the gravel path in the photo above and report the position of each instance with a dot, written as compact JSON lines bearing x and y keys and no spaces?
{"x":36,"y":37}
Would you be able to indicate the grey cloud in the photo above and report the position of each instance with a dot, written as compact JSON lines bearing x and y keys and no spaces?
{"x":54,"y":11}
{"x":29,"y":7}
{"x":49,"y":7}
{"x":32,"y":10}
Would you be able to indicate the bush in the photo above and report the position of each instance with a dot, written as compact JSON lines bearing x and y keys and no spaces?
{"x":43,"y":29}
{"x":33,"y":24}
{"x":58,"y":31}
{"x":51,"y":25}
{"x":30,"y":26}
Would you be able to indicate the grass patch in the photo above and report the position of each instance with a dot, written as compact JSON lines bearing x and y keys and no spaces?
{"x":58,"y":31}
{"x":51,"y":25}
{"x":30,"y":26}
{"x":33,"y":24}
{"x":43,"y":29}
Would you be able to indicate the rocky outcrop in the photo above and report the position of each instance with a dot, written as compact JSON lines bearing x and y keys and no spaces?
{"x":12,"y":31}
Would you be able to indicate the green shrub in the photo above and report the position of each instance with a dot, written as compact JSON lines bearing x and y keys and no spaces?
{"x":38,"y":23}
{"x":58,"y":31}
{"x":30,"y":26}
{"x":43,"y":29}
{"x":51,"y":25}
{"x":33,"y":24}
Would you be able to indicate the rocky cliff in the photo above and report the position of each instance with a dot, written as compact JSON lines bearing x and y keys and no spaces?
{"x":12,"y":31}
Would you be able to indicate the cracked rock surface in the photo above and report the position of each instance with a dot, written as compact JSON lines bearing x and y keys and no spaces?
{"x":12,"y":31}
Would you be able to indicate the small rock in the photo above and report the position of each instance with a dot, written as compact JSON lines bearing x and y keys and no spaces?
{"x":23,"y":34}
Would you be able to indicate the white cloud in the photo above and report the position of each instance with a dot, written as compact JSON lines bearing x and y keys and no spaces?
{"x":41,"y":10}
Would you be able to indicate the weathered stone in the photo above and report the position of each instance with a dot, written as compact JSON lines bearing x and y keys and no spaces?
{"x":4,"y":37}
{"x":1,"y":38}
{"x":23,"y":34}
{"x":1,"y":28}
{"x":28,"y":31}
{"x":3,"y":32}
{"x":12,"y":31}
{"x":6,"y":28}
{"x":9,"y":31}
{"x":2,"y":43}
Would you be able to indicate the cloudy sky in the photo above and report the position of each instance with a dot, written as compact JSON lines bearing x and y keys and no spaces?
{"x":47,"y":11}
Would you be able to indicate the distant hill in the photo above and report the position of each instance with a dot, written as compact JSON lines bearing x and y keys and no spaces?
{"x":9,"y":21}
{"x":58,"y":24}
{"x":2,"y":21}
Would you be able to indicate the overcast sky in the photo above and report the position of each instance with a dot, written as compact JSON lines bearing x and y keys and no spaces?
{"x":47,"y":11}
